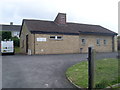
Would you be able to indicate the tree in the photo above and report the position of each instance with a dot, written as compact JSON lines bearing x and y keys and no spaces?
{"x":5,"y":35}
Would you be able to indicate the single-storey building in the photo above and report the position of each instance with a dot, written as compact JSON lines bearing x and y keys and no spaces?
{"x":61,"y":37}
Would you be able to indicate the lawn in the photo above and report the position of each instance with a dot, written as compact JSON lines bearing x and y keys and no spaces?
{"x":106,"y":73}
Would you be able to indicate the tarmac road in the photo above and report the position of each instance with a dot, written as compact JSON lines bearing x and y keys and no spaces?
{"x":40,"y":71}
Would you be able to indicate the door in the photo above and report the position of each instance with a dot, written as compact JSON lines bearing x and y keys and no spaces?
{"x":26,"y":43}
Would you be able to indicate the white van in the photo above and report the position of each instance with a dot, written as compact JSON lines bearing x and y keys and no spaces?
{"x":7,"y":47}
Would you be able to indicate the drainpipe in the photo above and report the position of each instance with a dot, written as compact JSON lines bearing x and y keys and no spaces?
{"x":113,"y":46}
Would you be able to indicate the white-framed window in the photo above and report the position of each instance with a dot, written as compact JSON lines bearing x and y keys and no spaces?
{"x":56,"y":37}
{"x":104,"y":41}
{"x":83,"y":41}
{"x":16,"y":33}
{"x":98,"y":41}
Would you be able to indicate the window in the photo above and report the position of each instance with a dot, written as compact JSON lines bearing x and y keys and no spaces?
{"x":59,"y":37}
{"x":105,"y":42}
{"x":83,"y":41}
{"x":52,"y":37}
{"x":56,"y":37}
{"x":98,"y":41}
{"x":16,"y":34}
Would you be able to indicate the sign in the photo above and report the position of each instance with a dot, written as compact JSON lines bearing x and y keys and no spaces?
{"x":42,"y":39}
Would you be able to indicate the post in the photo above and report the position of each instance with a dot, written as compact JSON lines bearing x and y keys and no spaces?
{"x":91,"y":68}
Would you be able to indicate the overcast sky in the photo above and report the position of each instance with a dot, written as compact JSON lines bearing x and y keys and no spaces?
{"x":98,"y":12}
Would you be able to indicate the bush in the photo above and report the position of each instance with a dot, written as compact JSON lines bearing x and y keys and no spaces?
{"x":16,"y":41}
{"x":5,"y":35}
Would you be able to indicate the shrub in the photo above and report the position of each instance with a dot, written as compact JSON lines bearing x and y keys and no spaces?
{"x":5,"y":35}
{"x":16,"y":41}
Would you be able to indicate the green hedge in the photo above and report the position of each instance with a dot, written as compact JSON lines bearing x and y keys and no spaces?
{"x":16,"y":41}
{"x":5,"y":35}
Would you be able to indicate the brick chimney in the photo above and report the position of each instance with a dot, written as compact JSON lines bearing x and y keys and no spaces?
{"x":60,"y":19}
{"x":11,"y":23}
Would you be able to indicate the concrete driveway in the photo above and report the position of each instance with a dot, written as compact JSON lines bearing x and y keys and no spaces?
{"x":40,"y":71}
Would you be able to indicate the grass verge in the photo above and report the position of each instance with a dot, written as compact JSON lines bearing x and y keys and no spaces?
{"x":17,"y":49}
{"x":106,"y":73}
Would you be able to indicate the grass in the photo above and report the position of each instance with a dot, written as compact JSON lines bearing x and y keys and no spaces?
{"x":17,"y":49}
{"x":106,"y":73}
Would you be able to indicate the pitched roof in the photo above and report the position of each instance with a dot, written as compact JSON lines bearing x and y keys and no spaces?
{"x":39,"y":26}
{"x":10,"y":28}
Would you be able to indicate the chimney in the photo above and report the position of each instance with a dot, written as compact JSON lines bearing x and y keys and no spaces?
{"x":11,"y":23}
{"x":60,"y":19}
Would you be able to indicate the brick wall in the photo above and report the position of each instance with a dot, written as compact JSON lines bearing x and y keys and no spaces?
{"x":68,"y":44}
{"x":91,"y":41}
{"x":71,"y":44}
{"x":60,"y":19}
{"x":25,"y":32}
{"x":119,"y":45}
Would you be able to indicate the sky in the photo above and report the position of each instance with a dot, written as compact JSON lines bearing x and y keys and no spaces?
{"x":96,"y":12}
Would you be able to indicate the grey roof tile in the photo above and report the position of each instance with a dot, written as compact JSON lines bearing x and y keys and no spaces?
{"x":40,"y":26}
{"x":10,"y":27}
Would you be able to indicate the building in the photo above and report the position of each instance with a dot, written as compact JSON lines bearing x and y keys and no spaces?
{"x":118,"y":43}
{"x":14,"y":29}
{"x":61,"y":37}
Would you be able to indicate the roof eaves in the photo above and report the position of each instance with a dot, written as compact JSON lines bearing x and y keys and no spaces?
{"x":43,"y":32}
{"x":98,"y":33}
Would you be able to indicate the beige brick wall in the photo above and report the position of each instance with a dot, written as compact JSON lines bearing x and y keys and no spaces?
{"x":69,"y":44}
{"x":116,"y":43}
{"x":91,"y":41}
{"x":23,"y":40}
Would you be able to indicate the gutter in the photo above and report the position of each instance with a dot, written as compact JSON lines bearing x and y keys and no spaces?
{"x":96,"y":33}
{"x":34,"y":43}
{"x":72,"y":33}
{"x":43,"y":32}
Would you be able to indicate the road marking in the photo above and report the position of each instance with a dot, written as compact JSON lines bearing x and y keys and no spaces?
{"x":46,"y":85}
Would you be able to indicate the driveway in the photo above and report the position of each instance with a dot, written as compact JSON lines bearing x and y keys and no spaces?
{"x":41,"y":71}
